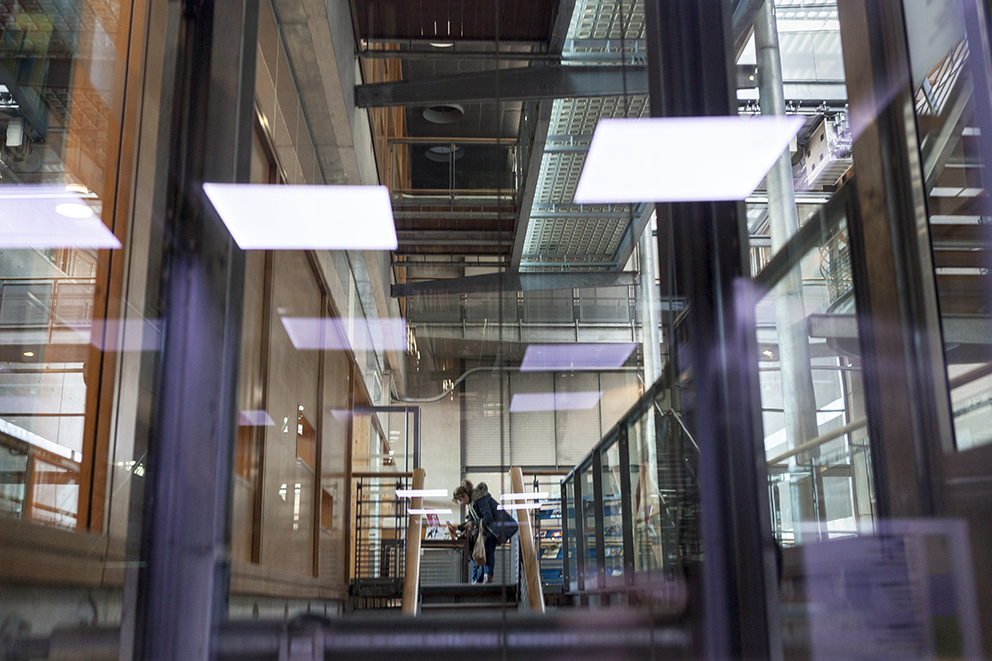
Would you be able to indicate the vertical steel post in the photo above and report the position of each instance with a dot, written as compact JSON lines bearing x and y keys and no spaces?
{"x":798,"y":400}
{"x":184,"y":580}
{"x":689,"y":71}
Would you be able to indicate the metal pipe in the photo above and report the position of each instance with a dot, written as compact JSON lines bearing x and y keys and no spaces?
{"x":790,"y":319}
{"x":820,"y":440}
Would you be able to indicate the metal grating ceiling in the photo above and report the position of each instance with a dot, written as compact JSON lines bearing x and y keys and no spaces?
{"x":593,"y":239}
{"x":559,"y":231}
{"x":600,"y":19}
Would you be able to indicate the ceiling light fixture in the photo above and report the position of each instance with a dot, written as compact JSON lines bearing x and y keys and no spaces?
{"x":519,"y":506}
{"x":266,"y":217}
{"x":444,"y":113}
{"x":682,"y":159}
{"x":425,"y":512}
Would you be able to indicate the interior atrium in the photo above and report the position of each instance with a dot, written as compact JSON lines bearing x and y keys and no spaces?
{"x":698,"y":292}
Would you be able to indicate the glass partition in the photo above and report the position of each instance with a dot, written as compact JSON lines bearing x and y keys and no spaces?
{"x":819,"y":465}
{"x":949,"y":65}
{"x":640,"y":524}
{"x":587,"y":538}
{"x":568,"y":534}
{"x":613,"y":505}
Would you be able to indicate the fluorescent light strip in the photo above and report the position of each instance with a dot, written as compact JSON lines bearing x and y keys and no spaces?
{"x":682,"y":159}
{"x":519,"y":506}
{"x":525,"y":496}
{"x":425,"y":512}
{"x":269,"y":217}
{"x":50,"y":216}
{"x":420,"y":493}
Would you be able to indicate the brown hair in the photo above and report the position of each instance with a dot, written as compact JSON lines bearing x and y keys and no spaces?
{"x":463,"y":489}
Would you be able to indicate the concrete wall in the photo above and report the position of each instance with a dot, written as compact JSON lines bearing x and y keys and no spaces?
{"x":440,"y":448}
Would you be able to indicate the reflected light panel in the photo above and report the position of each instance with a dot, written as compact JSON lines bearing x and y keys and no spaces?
{"x":268,"y":217}
{"x":536,"y":495}
{"x":49,"y":216}
{"x":682,"y":159}
{"x":423,"y":493}
{"x":255,"y":418}
{"x":334,"y":334}
{"x":572,"y":357}
{"x":554,"y":401}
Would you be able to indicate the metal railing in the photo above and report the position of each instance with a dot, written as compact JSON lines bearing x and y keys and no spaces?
{"x":380,"y":539}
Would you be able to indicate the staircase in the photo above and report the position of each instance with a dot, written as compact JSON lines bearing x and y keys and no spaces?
{"x":444,"y":584}
{"x":466,"y":596}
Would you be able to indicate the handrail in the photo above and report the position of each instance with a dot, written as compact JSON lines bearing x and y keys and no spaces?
{"x":411,"y":573}
{"x":685,"y":429}
{"x":372,"y":476}
{"x":532,"y":572}
{"x":820,"y":440}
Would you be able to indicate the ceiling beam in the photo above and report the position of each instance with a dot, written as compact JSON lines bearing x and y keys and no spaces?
{"x":519,"y":84}
{"x":511,"y":282}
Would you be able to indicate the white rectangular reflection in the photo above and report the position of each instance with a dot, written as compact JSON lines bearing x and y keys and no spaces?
{"x":554,"y":401}
{"x":537,"y":495}
{"x":519,"y":506}
{"x":333,"y":334}
{"x":575,"y":357}
{"x":426,"y":512}
{"x":414,"y":493}
{"x":267,"y":217}
{"x":255,"y":418}
{"x":29,"y":437}
{"x":49,"y":216}
{"x":682,"y":159}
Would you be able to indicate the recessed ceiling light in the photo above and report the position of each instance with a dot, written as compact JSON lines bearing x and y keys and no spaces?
{"x":270,"y":217}
{"x":49,"y":216}
{"x":442,"y":44}
{"x":554,"y":401}
{"x":682,"y":159}
{"x":29,"y":354}
{"x":74,"y":210}
{"x":444,"y":113}
{"x":443,"y":154}
{"x":575,"y":357}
